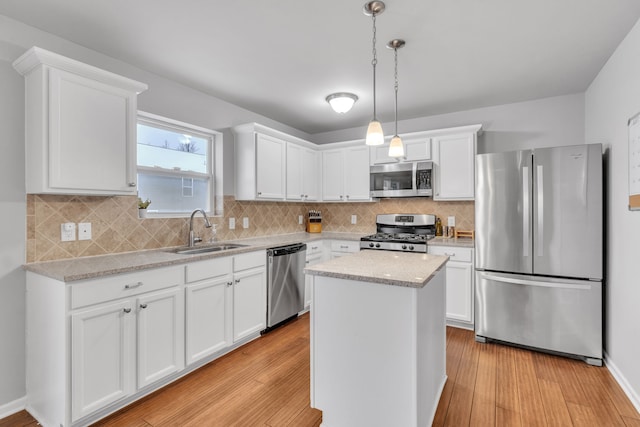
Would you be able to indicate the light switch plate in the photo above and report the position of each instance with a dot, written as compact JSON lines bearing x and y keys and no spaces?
{"x":84,"y":231}
{"x":245,"y":222}
{"x":232,"y":223}
{"x":300,"y":219}
{"x":451,"y":221}
{"x":68,"y":232}
{"x":354,"y":219}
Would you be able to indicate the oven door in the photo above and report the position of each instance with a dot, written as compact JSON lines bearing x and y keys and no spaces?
{"x":393,"y":180}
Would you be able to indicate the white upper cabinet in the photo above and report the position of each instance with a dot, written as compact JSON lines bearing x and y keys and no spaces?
{"x":302,"y":173}
{"x":454,"y":163}
{"x":79,"y":120}
{"x":271,"y":165}
{"x":345,"y":174}
{"x":416,"y":147}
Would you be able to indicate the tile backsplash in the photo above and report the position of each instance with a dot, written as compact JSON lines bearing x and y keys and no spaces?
{"x":117,"y":228}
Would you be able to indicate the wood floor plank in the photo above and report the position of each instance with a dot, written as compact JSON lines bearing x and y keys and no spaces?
{"x":631,"y":421}
{"x":555,"y":408}
{"x":459,"y":412}
{"x":581,"y":415}
{"x":531,"y":408}
{"x":483,"y":412}
{"x":19,"y":419}
{"x":616,"y":394}
{"x":456,"y":338}
{"x":598,"y":398}
{"x":507,"y":400}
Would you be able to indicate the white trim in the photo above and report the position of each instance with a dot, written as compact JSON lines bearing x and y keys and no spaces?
{"x":622,"y":381}
{"x":13,"y":407}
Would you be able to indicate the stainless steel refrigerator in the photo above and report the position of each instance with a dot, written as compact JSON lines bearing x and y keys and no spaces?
{"x":539,"y":249}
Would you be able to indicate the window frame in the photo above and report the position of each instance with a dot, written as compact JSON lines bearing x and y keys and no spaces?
{"x":214,"y":172}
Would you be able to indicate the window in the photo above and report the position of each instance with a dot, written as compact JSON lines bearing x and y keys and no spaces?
{"x":177,"y":167}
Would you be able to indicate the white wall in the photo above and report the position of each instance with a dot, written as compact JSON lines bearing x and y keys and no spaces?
{"x":612,"y":98}
{"x":12,"y":230}
{"x":533,"y":124}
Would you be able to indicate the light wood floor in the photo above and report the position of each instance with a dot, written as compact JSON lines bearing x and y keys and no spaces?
{"x":266,"y":383}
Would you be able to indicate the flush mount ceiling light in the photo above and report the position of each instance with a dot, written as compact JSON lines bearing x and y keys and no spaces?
{"x":341,"y":102}
{"x":375,"y":136}
{"x":396,"y":148}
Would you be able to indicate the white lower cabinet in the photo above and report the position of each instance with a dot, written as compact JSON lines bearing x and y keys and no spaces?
{"x":459,"y":283}
{"x":343,"y":247}
{"x":123,"y":346}
{"x":249,"y":294}
{"x":315,"y":255}
{"x":96,"y":345}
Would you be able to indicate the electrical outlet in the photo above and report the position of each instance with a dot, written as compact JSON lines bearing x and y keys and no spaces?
{"x":451,"y":221}
{"x":245,"y":222}
{"x":300,"y":219}
{"x":84,"y":231}
{"x":68,"y":232}
{"x":354,"y":219}
{"x":232,"y":223}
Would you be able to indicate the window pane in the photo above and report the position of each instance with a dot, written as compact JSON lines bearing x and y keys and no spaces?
{"x":167,"y":193}
{"x":168,"y":149}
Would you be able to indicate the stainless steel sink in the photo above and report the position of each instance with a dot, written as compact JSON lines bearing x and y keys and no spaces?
{"x":206,"y":249}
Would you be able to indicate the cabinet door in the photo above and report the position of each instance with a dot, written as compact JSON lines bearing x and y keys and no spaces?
{"x":160,"y":335}
{"x":102,"y":356}
{"x":379,"y":155}
{"x":270,"y":167}
{"x":417,"y":149}
{"x":91,"y":127}
{"x":249,"y":303}
{"x":332,"y":175}
{"x":208,"y":314}
{"x":295,"y":190}
{"x":311,"y":260}
{"x":455,"y":167}
{"x":459,"y":291}
{"x":310,"y":174}
{"x":356,"y":173}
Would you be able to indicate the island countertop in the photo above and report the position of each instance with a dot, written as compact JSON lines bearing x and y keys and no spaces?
{"x":406,"y":269}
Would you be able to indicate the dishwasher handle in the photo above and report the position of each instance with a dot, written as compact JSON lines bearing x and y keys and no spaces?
{"x":286,"y":250}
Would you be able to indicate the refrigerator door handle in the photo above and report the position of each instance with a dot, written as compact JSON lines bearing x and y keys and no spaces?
{"x":513,"y":280}
{"x":525,"y":211}
{"x":540,"y":192}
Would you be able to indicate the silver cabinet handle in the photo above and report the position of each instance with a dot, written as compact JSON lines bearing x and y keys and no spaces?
{"x":306,"y":196}
{"x":540,"y":211}
{"x":237,"y":280}
{"x":133,"y":285}
{"x":302,"y":196}
{"x":341,"y":197}
{"x":525,"y":211}
{"x":451,"y":254}
{"x":143,"y":305}
{"x":259,"y":193}
{"x":347,"y":196}
{"x":127,"y":310}
{"x":132,"y":184}
{"x":229,"y":283}
{"x":344,"y":247}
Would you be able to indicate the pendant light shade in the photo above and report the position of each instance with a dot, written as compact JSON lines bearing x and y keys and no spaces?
{"x":396,"y":148}
{"x":375,"y":136}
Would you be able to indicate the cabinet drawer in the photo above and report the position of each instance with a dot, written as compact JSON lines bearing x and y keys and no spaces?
{"x":454,"y":253}
{"x":313,"y":259}
{"x":314,"y":247}
{"x":124,"y":285}
{"x":345,"y":246}
{"x":208,"y":269}
{"x":250,"y":260}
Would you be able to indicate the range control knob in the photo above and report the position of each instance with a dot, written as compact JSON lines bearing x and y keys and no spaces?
{"x":377,"y":245}
{"x":410,"y":247}
{"x":371,"y":245}
{"x":404,"y":246}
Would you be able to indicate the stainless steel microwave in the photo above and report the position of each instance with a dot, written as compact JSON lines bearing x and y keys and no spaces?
{"x":407,"y":179}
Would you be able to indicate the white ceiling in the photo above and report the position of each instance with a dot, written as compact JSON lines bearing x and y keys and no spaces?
{"x":282,"y":58}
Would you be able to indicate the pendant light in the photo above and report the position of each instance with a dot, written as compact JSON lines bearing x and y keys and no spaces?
{"x":375,"y":136}
{"x":396,"y":148}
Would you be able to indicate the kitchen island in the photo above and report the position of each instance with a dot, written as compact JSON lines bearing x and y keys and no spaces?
{"x":378,"y":338}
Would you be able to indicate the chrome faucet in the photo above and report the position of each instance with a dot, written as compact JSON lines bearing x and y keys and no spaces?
{"x":192,"y":238}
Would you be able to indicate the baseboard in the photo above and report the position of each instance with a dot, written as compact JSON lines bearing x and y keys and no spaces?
{"x":13,"y":407}
{"x":626,"y":387}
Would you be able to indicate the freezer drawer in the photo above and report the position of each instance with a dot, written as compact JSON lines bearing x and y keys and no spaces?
{"x":550,"y":314}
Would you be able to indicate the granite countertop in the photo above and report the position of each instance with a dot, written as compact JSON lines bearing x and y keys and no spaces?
{"x":70,"y":270}
{"x":461,"y":242}
{"x":386,"y":267}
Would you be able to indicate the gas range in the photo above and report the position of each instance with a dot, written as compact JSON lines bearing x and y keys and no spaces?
{"x":401,"y":232}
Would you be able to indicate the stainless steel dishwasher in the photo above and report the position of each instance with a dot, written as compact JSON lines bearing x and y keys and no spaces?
{"x":285,"y":283}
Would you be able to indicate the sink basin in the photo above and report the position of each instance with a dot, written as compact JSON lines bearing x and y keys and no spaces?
{"x":206,"y":249}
